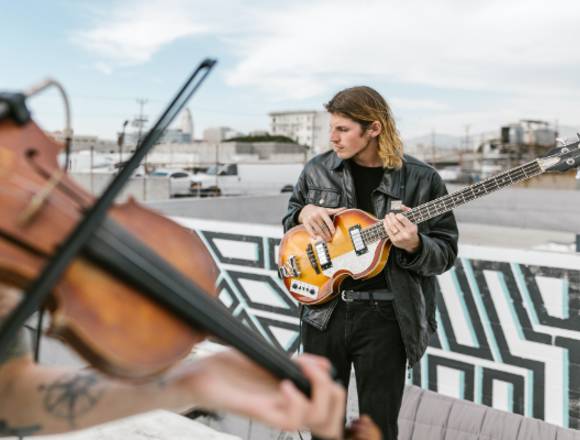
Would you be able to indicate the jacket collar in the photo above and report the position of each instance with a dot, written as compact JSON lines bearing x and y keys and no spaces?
{"x":391,"y":185}
{"x":335,"y":162}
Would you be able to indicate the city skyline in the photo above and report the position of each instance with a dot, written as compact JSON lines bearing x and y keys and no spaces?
{"x":442,"y":67}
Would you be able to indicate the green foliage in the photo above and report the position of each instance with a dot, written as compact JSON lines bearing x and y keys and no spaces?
{"x":262,"y":138}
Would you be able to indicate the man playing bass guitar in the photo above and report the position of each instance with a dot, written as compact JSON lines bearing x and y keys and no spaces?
{"x":381,"y":323}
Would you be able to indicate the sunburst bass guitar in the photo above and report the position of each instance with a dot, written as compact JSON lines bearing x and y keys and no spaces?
{"x":313,"y":271}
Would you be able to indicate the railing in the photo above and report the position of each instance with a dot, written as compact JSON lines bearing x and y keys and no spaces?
{"x":508,"y":320}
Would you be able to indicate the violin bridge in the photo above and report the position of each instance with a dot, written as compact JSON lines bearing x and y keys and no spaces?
{"x":39,"y":199}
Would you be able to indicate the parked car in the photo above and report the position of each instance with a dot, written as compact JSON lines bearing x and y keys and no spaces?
{"x":179,"y":181}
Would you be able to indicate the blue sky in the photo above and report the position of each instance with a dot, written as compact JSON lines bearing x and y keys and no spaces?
{"x":442,"y":65}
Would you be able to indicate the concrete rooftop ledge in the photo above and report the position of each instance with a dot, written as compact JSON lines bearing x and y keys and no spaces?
{"x":155,"y":425}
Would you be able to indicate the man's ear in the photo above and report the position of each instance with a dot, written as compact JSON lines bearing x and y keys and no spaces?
{"x":375,"y":128}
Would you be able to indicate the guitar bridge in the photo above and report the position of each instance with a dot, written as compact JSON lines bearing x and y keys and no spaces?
{"x":289,"y":269}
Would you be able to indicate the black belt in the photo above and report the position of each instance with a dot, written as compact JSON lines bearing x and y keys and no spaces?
{"x":366,"y":295}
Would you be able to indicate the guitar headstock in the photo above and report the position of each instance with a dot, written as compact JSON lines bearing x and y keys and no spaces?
{"x":562,"y":158}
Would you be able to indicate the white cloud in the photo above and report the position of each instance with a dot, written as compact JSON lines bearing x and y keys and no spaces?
{"x":514,"y":46}
{"x":132,"y":32}
{"x":523,"y":51}
{"x":417,"y":104}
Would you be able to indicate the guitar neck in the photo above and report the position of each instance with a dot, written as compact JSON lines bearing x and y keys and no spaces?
{"x":465,"y":195}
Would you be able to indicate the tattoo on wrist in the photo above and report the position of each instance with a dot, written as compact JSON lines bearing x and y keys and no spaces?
{"x":72,"y":396}
{"x":20,"y":431}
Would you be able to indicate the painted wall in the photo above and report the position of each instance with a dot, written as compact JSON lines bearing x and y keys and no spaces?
{"x":509,"y":320}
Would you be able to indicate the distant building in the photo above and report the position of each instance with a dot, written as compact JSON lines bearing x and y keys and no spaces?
{"x":306,"y":127}
{"x":218,"y":134}
{"x":174,"y":136}
{"x":86,"y":142}
{"x":180,"y":133}
{"x":529,"y":132}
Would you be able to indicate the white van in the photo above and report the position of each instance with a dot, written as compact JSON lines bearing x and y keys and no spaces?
{"x":246,"y":179}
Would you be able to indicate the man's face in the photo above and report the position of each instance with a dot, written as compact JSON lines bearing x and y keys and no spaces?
{"x":347,"y":136}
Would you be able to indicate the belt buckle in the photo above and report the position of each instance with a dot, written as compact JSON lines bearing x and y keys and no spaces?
{"x":344,"y":298}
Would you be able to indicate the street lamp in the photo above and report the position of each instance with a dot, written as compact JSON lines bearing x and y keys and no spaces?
{"x":121,"y":141}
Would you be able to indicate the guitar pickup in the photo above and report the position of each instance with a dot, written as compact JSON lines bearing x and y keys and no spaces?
{"x":312,"y":258}
{"x":357,"y":239}
{"x":323,"y":255}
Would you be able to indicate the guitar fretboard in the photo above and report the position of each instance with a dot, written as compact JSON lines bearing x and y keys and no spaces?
{"x":451,"y":201}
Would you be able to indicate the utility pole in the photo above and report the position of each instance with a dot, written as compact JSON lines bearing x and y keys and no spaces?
{"x":433,"y":147}
{"x":120,"y":142}
{"x":466,"y":146}
{"x":139,"y":122}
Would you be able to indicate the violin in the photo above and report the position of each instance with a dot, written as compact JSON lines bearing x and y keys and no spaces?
{"x":141,"y":292}
{"x":117,"y":329}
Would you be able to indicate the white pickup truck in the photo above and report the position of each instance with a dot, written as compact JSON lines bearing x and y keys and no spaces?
{"x":246,"y":179}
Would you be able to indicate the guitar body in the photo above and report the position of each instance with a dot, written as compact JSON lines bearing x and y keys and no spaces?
{"x":313,"y":271}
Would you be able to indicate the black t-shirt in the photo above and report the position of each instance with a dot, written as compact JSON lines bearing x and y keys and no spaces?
{"x":366,"y":180}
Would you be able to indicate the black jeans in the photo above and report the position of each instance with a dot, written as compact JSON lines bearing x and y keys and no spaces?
{"x":366,"y":334}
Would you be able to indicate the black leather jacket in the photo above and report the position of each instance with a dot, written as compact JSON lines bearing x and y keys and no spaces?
{"x":327,"y":181}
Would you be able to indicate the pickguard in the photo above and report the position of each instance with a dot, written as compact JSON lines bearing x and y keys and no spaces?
{"x":352,"y":262}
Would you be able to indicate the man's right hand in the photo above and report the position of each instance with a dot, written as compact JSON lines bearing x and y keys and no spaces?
{"x":317,"y":221}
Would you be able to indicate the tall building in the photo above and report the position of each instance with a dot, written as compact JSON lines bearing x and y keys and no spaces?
{"x":186,"y":125}
{"x":306,"y":127}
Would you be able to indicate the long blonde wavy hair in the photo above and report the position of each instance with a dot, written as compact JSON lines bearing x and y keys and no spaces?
{"x":365,"y":105}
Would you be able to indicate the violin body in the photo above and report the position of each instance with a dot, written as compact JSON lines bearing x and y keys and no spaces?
{"x":116,"y":328}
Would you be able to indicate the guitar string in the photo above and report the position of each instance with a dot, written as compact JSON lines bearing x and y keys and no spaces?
{"x":439,"y":206}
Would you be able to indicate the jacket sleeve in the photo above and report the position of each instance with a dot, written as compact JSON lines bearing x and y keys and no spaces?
{"x":296,"y":203}
{"x":438,"y":248}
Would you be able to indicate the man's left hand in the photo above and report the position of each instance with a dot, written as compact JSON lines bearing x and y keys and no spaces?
{"x":402,"y":232}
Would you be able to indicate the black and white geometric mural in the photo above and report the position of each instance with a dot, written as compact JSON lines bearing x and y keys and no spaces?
{"x":508,"y":320}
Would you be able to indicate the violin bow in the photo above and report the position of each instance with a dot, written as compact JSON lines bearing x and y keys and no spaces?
{"x":13,"y":105}
{"x":150,"y":274}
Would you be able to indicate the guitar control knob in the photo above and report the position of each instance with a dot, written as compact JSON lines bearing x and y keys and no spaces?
{"x":294,"y":285}
{"x":311,"y":291}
